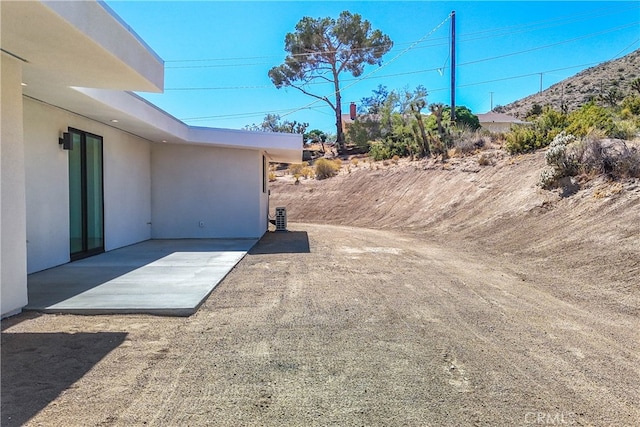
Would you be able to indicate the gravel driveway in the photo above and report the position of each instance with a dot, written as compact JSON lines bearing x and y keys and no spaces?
{"x":342,"y":326}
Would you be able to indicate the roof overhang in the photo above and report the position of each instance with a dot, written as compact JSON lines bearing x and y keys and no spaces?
{"x":132,"y":113}
{"x":80,"y":56}
{"x":65,"y":43}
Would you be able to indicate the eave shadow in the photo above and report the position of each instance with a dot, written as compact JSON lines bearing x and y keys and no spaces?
{"x":282,"y":242}
{"x":37,"y":367}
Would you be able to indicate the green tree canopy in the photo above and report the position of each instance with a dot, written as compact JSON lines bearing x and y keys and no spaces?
{"x":322,"y":49}
{"x":273,"y":123}
{"x":373,"y":104}
{"x":464,"y":117}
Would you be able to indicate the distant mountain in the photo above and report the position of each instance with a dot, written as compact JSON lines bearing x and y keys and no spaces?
{"x":575,"y":91}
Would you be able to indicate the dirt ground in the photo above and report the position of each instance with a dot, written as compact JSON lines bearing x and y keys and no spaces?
{"x":464,"y":296}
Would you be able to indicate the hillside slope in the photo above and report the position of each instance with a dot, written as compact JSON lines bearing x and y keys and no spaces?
{"x":592,"y":236}
{"x":579,"y":89}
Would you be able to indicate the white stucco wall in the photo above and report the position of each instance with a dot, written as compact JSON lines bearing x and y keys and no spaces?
{"x":13,"y":278}
{"x":127,"y":184}
{"x":218,"y":187}
{"x":47,"y":187}
{"x":497,"y":127}
{"x":127,"y":189}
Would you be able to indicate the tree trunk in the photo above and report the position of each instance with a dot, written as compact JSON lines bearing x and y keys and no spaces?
{"x":339,"y":133}
{"x":423,"y":134}
{"x":425,"y":141}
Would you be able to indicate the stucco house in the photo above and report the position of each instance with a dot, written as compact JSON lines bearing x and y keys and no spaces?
{"x":88,"y":166}
{"x":499,"y":122}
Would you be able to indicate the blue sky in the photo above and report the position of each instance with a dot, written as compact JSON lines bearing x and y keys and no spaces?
{"x":217,"y":53}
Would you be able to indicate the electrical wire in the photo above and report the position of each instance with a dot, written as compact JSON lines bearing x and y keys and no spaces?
{"x":418,"y":44}
{"x":520,"y":76}
{"x":413,"y":46}
{"x":461,"y":38}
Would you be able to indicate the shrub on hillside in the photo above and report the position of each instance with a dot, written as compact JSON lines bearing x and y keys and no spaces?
{"x":592,"y":117}
{"x":466,"y":140}
{"x":296,"y":168}
{"x":361,"y":132}
{"x":551,"y":123}
{"x":612,"y":157}
{"x":325,"y":168}
{"x":593,"y":155}
{"x":538,"y":134}
{"x":560,"y":160}
{"x":386,"y":149}
{"x":631,"y":106}
{"x":307,"y":172}
{"x":521,"y":139}
{"x":627,"y":129}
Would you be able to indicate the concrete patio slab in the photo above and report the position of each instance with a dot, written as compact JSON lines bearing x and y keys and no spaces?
{"x":163,"y":277}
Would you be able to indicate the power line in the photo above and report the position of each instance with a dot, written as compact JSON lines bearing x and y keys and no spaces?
{"x":490,"y":33}
{"x":552,"y":45}
{"x":626,"y":48}
{"x":368,"y":76}
{"x":418,"y":44}
{"x":373,"y":71}
{"x":291,"y":111}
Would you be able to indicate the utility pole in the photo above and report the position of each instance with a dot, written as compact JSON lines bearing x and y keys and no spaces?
{"x":491,"y":101}
{"x":540,"y":83}
{"x":453,"y":66}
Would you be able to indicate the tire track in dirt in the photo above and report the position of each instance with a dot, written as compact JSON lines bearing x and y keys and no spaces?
{"x":370,"y":327}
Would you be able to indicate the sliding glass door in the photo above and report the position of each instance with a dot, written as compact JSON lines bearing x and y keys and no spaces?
{"x":86,"y":201}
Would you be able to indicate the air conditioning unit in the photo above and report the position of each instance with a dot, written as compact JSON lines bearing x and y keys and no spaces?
{"x":281,"y":219}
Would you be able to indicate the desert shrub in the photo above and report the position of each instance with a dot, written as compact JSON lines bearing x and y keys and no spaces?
{"x":612,"y":157}
{"x":307,"y":172}
{"x":590,"y":117}
{"x":386,"y":149}
{"x":361,"y":133}
{"x":354,"y":162}
{"x":630,"y":115}
{"x":325,"y":168}
{"x":466,"y":140}
{"x":536,"y":110}
{"x":631,"y":104}
{"x":551,"y":123}
{"x":485,"y":160}
{"x":521,"y":139}
{"x":558,"y":156}
{"x":272,"y":176}
{"x":626,"y":129}
{"x":560,"y":160}
{"x":546,"y":126}
{"x":548,"y":178}
{"x":464,"y":117}
{"x":379,"y":151}
{"x":296,"y":168}
{"x":395,"y":159}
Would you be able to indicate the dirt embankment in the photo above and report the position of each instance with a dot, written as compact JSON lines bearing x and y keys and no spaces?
{"x":498,"y":209}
